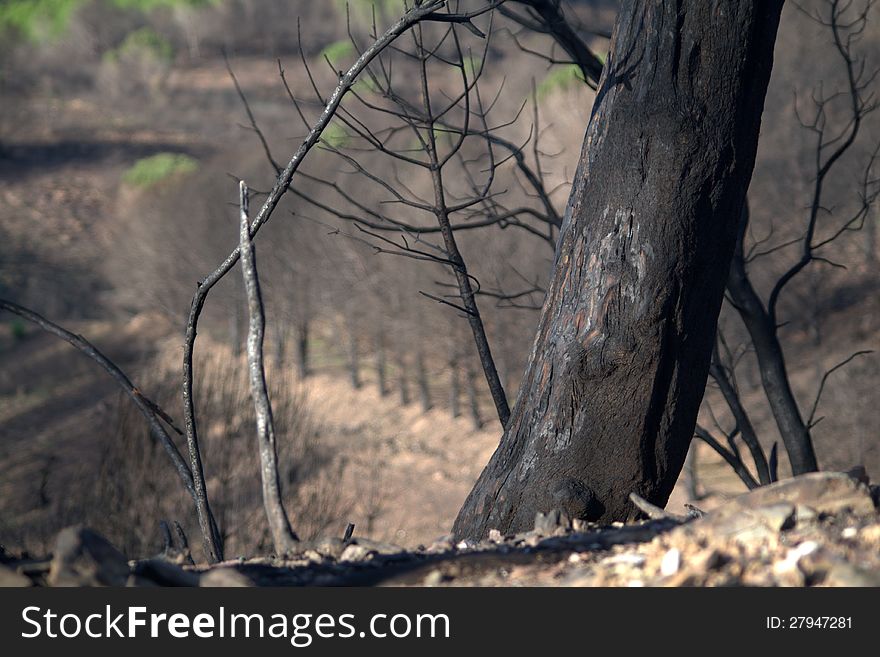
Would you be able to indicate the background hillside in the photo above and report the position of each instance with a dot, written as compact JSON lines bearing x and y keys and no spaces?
{"x":122,"y":137}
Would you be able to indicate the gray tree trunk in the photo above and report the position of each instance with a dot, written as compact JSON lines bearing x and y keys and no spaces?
{"x":381,"y":368}
{"x":609,"y":399}
{"x":454,"y":385}
{"x":771,"y":362}
{"x":302,"y":349}
{"x":402,"y":379}
{"x":424,"y":386}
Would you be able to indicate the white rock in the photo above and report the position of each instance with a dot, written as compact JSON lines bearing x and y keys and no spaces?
{"x":670,"y":563}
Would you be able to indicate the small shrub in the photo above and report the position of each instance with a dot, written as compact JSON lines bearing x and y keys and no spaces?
{"x":37,"y":20}
{"x":145,"y":42}
{"x":156,"y":168}
{"x":338,"y":51}
{"x":335,"y":136}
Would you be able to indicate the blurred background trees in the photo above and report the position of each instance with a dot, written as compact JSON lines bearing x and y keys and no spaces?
{"x":114,"y":111}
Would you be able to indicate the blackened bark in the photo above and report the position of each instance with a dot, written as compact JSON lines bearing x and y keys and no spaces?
{"x":609,"y":399}
{"x":553,"y":21}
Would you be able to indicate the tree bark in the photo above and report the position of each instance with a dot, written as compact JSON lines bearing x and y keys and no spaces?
{"x":609,"y":399}
{"x":283,"y":537}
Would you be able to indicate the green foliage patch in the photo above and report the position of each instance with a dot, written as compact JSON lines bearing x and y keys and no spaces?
{"x":145,"y":42}
{"x":560,"y":78}
{"x":156,"y":168}
{"x":335,"y":136}
{"x":338,"y":52}
{"x":39,"y":20}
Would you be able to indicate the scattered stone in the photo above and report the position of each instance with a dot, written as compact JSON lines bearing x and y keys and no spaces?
{"x":164,"y":573}
{"x":670,"y":563}
{"x":826,"y":492}
{"x":846,"y":574}
{"x":443,"y":544}
{"x":434,"y":578}
{"x":329,"y":546}
{"x":582,"y":526}
{"x":377,"y":546}
{"x":805,"y":514}
{"x":870,"y":534}
{"x":546,"y":523}
{"x":82,"y":557}
{"x":495,"y":536}
{"x":10,"y":578}
{"x":777,"y":517}
{"x":224,"y":577}
{"x":624,"y":558}
{"x":356,"y":553}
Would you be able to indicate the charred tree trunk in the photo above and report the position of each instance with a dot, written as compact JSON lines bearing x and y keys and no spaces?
{"x":302,"y":349}
{"x":609,"y":399}
{"x":771,"y":362}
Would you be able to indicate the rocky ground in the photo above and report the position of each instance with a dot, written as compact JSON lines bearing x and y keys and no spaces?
{"x":820,"y":529}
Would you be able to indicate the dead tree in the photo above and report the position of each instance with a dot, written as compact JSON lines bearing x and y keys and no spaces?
{"x":424,"y":11}
{"x":548,"y":17}
{"x":761,"y":320}
{"x":444,"y":142}
{"x":609,"y":400}
{"x":283,"y":537}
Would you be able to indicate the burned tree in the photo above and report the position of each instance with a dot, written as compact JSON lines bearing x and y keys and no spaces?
{"x":616,"y":375}
{"x":833,"y":139}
